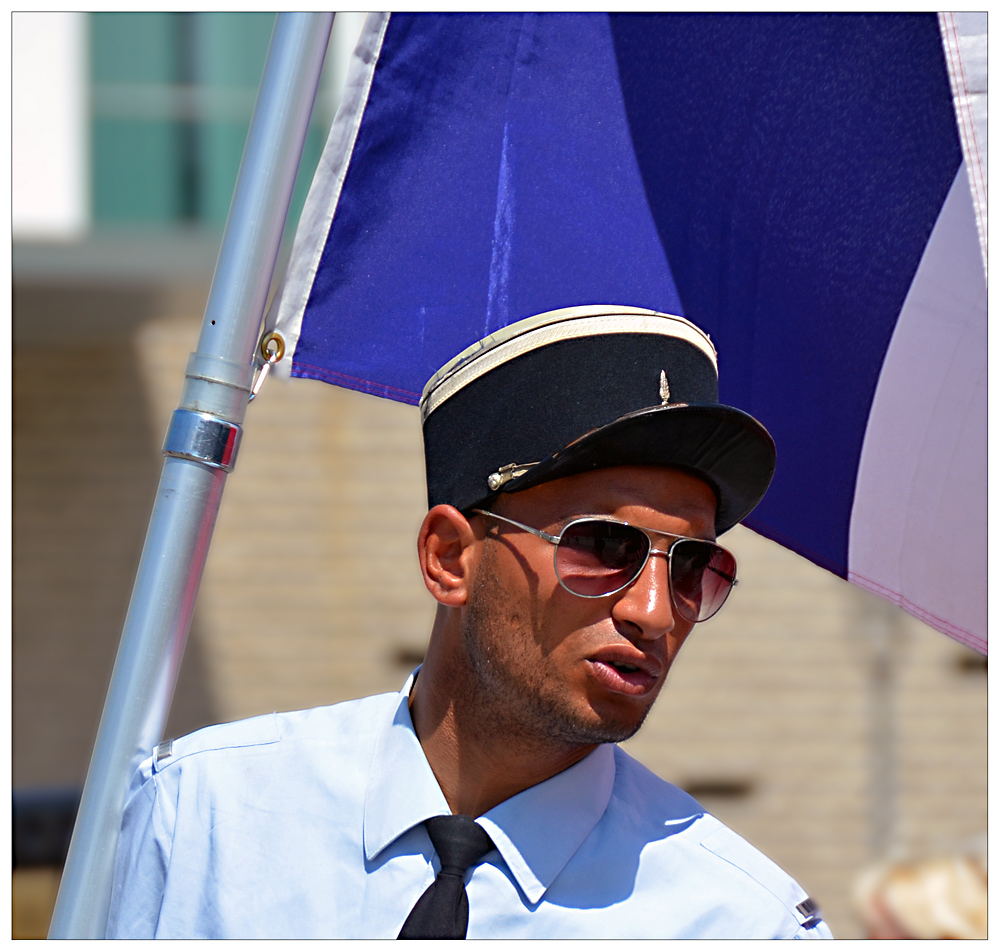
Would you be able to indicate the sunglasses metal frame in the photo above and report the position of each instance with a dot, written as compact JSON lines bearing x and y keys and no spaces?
{"x":651,"y":551}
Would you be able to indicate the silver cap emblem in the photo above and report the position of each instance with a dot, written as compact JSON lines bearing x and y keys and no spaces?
{"x":506,"y":473}
{"x":664,"y":389}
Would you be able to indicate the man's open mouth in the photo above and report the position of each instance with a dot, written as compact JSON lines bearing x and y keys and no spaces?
{"x":625,"y":677}
{"x":625,"y":668}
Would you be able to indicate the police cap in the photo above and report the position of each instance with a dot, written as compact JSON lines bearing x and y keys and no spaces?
{"x":583,"y":388}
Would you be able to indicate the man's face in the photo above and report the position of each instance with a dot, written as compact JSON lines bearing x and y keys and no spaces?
{"x":549,"y":663}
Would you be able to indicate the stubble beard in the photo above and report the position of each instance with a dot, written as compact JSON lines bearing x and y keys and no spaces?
{"x":507,"y":691}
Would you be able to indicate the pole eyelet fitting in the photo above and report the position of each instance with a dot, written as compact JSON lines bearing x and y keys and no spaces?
{"x":272,"y":356}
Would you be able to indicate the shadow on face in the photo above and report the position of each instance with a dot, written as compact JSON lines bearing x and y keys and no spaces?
{"x":550,"y":659}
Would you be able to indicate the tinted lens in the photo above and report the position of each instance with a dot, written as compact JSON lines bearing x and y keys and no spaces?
{"x":596,"y":557}
{"x":702,"y":575}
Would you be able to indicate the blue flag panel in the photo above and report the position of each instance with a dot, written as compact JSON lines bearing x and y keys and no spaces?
{"x":817,"y":151}
{"x":773,"y":178}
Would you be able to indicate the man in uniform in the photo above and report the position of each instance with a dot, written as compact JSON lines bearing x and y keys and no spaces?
{"x":579,"y":468}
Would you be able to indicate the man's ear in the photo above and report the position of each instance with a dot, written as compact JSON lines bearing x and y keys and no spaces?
{"x":449,"y":553}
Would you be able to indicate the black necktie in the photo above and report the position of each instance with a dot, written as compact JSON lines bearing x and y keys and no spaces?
{"x":442,"y":912}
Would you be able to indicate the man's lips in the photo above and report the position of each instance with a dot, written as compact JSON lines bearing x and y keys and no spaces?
{"x":626,"y":670}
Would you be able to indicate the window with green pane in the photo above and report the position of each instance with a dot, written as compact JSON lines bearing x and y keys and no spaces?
{"x":172,"y":98}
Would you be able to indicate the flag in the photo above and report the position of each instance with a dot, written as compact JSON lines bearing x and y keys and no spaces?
{"x":809,"y":189}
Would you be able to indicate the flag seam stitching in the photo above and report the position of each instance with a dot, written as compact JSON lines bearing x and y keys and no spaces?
{"x":935,"y":621}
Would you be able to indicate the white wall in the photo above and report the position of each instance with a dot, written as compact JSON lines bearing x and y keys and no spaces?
{"x":50,"y":150}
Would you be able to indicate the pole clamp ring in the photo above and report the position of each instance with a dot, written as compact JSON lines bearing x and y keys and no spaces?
{"x":203,"y":438}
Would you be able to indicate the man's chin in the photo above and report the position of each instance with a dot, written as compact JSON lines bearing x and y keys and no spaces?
{"x":601,"y":727}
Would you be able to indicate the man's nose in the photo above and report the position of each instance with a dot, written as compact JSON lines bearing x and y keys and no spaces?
{"x":646,"y":602}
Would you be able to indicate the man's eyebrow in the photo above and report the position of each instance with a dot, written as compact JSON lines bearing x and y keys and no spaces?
{"x":565,"y":518}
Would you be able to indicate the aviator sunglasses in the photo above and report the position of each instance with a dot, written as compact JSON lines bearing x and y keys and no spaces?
{"x":595,"y":557}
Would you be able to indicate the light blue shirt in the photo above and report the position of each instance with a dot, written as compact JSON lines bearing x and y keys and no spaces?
{"x":310,"y":825}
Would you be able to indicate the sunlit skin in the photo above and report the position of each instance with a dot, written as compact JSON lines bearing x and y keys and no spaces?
{"x":518,"y":682}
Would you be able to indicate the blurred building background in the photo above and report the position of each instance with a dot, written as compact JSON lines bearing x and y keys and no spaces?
{"x":829,"y":728}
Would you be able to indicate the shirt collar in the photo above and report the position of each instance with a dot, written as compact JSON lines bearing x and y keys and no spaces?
{"x":536,"y":831}
{"x":402,"y":789}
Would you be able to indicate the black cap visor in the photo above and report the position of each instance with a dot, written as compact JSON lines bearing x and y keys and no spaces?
{"x":725,"y":447}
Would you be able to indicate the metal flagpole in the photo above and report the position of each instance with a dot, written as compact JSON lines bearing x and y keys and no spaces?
{"x":200,"y":449}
